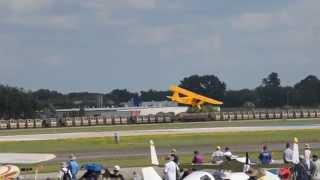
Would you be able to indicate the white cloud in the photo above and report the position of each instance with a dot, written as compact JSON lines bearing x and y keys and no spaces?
{"x":142,"y":4}
{"x":34,"y":13}
{"x":119,"y":4}
{"x":294,"y":28}
{"x":24,"y":7}
{"x":152,"y":35}
{"x":50,"y":21}
{"x":253,"y":21}
{"x":52,"y":60}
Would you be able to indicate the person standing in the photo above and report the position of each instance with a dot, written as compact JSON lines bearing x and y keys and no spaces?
{"x":287,"y":154}
{"x":64,"y":173}
{"x":73,"y":166}
{"x":114,"y":175}
{"x":316,"y":168}
{"x":197,"y":158}
{"x":307,"y":154}
{"x":175,"y":157}
{"x":217,"y":156}
{"x":227,"y":154}
{"x":265,"y":156}
{"x":135,"y":176}
{"x":301,"y":170}
{"x":170,"y":169}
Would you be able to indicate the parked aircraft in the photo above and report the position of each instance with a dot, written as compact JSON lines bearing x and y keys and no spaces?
{"x":7,"y":160}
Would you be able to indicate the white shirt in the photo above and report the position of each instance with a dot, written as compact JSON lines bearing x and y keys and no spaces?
{"x":63,"y":171}
{"x":307,"y":155}
{"x":228,"y":154}
{"x":316,"y":175}
{"x":170,"y":170}
{"x":288,"y":153}
{"x":217,"y":156}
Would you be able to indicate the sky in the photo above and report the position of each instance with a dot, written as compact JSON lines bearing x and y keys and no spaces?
{"x":100,"y":45}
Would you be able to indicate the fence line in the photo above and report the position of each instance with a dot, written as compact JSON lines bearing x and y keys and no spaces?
{"x":183,"y":117}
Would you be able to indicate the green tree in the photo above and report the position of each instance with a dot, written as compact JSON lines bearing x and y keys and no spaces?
{"x":237,"y":98}
{"x":270,"y":92}
{"x":154,"y":95}
{"x":307,"y":91}
{"x":121,"y":95}
{"x":207,"y":85}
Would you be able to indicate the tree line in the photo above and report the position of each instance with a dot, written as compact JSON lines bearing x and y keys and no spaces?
{"x":20,"y":103}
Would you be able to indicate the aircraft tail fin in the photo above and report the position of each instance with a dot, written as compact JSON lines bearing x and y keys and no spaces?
{"x":153,"y":153}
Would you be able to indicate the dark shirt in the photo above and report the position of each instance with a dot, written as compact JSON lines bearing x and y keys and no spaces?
{"x":112,"y":175}
{"x":265,"y":157}
{"x":301,"y":171}
{"x":116,"y":177}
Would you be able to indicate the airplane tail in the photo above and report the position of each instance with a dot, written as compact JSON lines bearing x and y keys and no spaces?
{"x":149,"y":173}
{"x":153,"y":154}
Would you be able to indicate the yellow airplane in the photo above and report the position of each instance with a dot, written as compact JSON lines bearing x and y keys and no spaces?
{"x":183,"y":96}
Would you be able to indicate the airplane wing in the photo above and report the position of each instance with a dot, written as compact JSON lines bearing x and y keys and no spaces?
{"x":149,"y":173}
{"x":199,"y":175}
{"x":236,"y":176}
{"x":24,"y":158}
{"x":190,"y":98}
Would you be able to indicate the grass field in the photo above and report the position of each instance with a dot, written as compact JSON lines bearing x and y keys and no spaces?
{"x":162,"y":141}
{"x":162,"y":126}
{"x":173,"y":140}
{"x":142,"y":161}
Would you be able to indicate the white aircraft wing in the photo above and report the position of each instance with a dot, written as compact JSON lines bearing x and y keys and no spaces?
{"x":24,"y":158}
{"x":150,"y":174}
{"x":198,"y":175}
{"x":9,"y":172}
{"x":236,"y":176}
{"x":243,"y":160}
{"x":243,"y":176}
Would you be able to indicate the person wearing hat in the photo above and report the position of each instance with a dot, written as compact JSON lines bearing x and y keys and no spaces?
{"x":252,"y":173}
{"x":301,"y":171}
{"x":316,"y":167}
{"x":217,"y":156}
{"x":115,"y":175}
{"x":256,"y":174}
{"x":170,"y":169}
{"x":307,"y":154}
{"x":64,"y":173}
{"x":73,"y":166}
{"x":175,"y":157}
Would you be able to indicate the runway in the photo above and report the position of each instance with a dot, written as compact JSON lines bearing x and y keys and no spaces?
{"x":74,"y":135}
